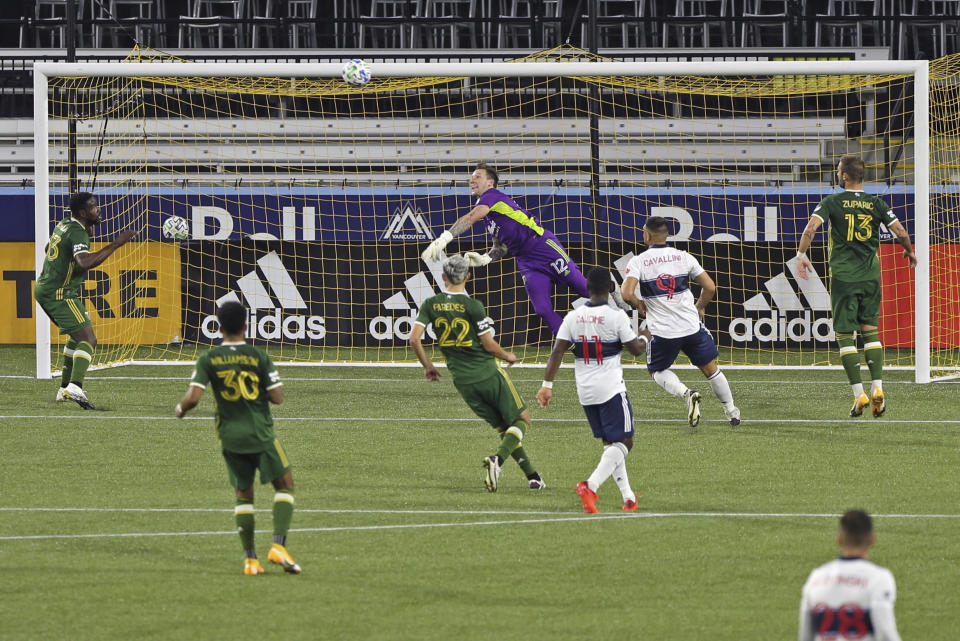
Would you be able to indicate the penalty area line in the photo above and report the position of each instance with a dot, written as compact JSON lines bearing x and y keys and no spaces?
{"x":415,"y":526}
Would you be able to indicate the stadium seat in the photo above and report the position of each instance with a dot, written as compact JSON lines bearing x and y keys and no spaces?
{"x":452,"y":33}
{"x":848,"y":21}
{"x":714,"y":14}
{"x":517,"y":33}
{"x":928,"y":28}
{"x":135,"y":18}
{"x":762,"y":17}
{"x":49,"y":24}
{"x":213,"y":24}
{"x":387,"y":24}
{"x":623,"y":25}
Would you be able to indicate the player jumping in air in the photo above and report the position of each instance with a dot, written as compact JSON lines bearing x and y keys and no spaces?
{"x":663,"y":274}
{"x":465,"y":336}
{"x":541,"y":259}
{"x":854,"y":236}
{"x":245,"y":382}
{"x":598,"y":334}
{"x":58,"y":289}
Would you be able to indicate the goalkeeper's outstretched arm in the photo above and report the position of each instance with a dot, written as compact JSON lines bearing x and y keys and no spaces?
{"x":434,"y":250}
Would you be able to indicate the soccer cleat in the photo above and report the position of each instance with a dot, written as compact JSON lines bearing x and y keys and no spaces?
{"x":537,"y":483}
{"x":588,"y":496}
{"x":75,"y":393}
{"x":491,"y":472}
{"x":629,"y":506}
{"x":693,"y":407}
{"x":859,"y":404}
{"x":279,"y":555}
{"x":62,"y":395}
{"x":252,"y":566}
{"x":879,"y":404}
{"x":733,"y":415}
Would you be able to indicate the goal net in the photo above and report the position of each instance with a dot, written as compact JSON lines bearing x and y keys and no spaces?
{"x":310,"y":201}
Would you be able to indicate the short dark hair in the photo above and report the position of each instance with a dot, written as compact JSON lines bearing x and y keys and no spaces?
{"x":232,"y":316}
{"x":79,"y":201}
{"x":853,"y":166}
{"x":856,"y":527}
{"x":657,"y":225}
{"x":490,"y":171}
{"x":599,"y":281}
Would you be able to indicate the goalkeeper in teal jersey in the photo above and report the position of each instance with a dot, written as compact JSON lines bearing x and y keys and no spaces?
{"x":465,"y":336}
{"x":68,"y":257}
{"x":245,"y":382}
{"x":854,"y":219}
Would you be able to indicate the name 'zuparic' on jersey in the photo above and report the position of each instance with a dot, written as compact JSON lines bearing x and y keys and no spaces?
{"x":853,"y":237}
{"x":663,"y":276}
{"x":849,"y":598}
{"x":598,"y":333}
{"x":241,"y":376}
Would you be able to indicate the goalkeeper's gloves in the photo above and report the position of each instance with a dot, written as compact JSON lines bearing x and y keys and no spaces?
{"x":477,"y":260}
{"x":434,"y":250}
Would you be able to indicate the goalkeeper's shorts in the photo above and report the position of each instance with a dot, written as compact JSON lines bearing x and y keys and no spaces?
{"x":494,"y":399}
{"x":854,"y":304}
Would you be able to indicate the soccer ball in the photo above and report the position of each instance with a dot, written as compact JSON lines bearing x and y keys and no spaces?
{"x":355,"y":73}
{"x":175,"y":228}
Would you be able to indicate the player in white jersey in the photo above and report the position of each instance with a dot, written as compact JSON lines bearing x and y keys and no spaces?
{"x":664,"y":274}
{"x":598,"y":334}
{"x":850,"y":597}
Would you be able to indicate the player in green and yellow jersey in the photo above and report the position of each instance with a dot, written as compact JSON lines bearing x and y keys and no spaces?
{"x":245,"y":382}
{"x":854,"y":219}
{"x":59,"y":284}
{"x":465,"y":337}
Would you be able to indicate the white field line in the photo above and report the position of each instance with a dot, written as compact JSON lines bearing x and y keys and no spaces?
{"x":410,"y":526}
{"x":101,"y":416}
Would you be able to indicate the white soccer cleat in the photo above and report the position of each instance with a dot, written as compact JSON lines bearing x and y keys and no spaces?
{"x":75,"y":393}
{"x":693,"y":407}
{"x":62,"y":395}
{"x":491,"y":472}
{"x":733,"y":415}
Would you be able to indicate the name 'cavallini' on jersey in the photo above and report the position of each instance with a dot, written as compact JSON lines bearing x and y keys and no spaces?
{"x":663,"y":276}
{"x":854,"y":219}
{"x":241,"y":376}
{"x":458,"y":322}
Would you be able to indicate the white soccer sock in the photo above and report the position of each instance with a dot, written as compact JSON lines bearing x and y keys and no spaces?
{"x":857,"y":389}
{"x":620,"y":476}
{"x":720,"y":387}
{"x":612,"y":457}
{"x":669,"y":381}
{"x":877,"y":384}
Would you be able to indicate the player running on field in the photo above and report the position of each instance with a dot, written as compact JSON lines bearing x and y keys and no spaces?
{"x":245,"y":382}
{"x":854,"y":236}
{"x":541,"y":259}
{"x":850,"y":597}
{"x":598,"y":334}
{"x":465,"y":336}
{"x":658,"y":284}
{"x":67,"y":260}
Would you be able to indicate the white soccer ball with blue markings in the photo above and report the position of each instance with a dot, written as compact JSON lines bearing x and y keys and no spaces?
{"x":356,"y":73}
{"x":175,"y":228}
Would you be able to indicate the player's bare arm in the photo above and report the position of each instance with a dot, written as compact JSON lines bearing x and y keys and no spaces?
{"x":804,"y":266}
{"x":432,"y":253}
{"x":416,"y":344}
{"x":707,"y":292}
{"x":88,"y":260}
{"x":636,"y":348}
{"x":629,"y":293}
{"x":493,"y":347}
{"x":904,"y":239}
{"x":190,"y":400}
{"x":545,"y":393}
{"x":275,"y":395}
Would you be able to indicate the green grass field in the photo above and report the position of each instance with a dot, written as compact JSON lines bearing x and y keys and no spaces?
{"x":118,"y":524}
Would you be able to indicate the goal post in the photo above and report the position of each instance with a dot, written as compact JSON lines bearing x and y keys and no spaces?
{"x":310,"y":200}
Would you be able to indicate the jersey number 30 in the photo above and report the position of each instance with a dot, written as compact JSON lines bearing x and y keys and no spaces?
{"x":246,"y":384}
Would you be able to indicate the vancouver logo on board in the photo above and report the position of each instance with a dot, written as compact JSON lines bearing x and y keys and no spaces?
{"x":407,"y":223}
{"x":270,"y":316}
{"x":788,"y":319}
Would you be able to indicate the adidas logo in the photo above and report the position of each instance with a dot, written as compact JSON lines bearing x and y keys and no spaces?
{"x":275,"y":323}
{"x":419,"y":289}
{"x":784,"y":323}
{"x":401,"y":218}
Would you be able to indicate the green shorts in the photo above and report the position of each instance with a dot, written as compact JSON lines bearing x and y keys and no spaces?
{"x":272,"y":463}
{"x":854,"y":304}
{"x":494,"y":399}
{"x":69,"y":314}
